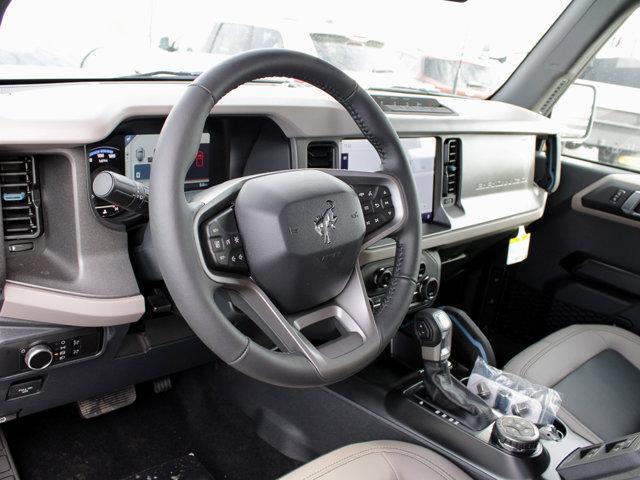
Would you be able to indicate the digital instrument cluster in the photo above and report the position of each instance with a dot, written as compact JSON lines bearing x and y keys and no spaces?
{"x":131,"y":154}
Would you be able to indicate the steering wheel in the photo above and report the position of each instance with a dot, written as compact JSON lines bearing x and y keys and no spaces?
{"x":284,"y":246}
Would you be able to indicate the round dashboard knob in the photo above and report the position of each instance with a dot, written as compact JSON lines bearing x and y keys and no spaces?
{"x":382,"y":277}
{"x":428,"y":288}
{"x":515,"y":435}
{"x":38,"y":357}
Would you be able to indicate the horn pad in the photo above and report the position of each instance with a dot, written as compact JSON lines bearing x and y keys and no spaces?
{"x":302,"y":232}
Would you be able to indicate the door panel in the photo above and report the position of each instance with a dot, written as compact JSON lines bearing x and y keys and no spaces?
{"x":582,"y":258}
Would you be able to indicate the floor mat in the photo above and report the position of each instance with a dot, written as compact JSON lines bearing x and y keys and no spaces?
{"x":191,"y":418}
{"x":183,"y":468}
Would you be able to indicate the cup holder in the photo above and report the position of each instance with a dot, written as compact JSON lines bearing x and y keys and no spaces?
{"x":555,"y":432}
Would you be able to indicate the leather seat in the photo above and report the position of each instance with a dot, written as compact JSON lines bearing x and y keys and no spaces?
{"x":380,"y":460}
{"x":596,"y":369}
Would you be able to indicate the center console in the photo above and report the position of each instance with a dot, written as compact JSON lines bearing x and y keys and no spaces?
{"x":443,"y":409}
{"x":440,"y":410}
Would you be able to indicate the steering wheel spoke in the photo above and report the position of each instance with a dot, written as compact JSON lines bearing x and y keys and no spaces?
{"x":328,"y":336}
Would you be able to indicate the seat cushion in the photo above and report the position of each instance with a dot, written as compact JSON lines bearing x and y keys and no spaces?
{"x":596,"y":369}
{"x":380,"y":460}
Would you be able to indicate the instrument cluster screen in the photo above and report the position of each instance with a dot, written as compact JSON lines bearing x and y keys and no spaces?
{"x":139,"y":151}
{"x":360,"y":155}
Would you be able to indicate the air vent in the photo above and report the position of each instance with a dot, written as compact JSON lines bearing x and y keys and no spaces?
{"x":321,"y":155}
{"x":452,"y":154}
{"x":547,"y":169}
{"x":20,"y":198}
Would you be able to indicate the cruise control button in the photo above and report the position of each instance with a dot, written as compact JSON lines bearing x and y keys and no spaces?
{"x":217,"y":244}
{"x":237,"y":259}
{"x":221,"y":259}
{"x":213,"y":228}
{"x":235,"y":240}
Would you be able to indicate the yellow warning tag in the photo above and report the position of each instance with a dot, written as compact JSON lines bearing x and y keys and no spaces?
{"x":518,"y":247}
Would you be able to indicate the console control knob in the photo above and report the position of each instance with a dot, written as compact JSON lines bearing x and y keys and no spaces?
{"x":382,"y":277}
{"x":38,"y":357}
{"x":516,"y":435}
{"x":428,"y":289}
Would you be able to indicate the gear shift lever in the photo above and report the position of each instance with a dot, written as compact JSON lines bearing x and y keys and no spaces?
{"x":433,"y":328}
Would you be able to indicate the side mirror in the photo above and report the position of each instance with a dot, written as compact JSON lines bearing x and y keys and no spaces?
{"x":575,"y":111}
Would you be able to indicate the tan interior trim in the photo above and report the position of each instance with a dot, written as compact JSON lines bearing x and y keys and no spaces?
{"x":25,"y":302}
{"x":577,"y":205}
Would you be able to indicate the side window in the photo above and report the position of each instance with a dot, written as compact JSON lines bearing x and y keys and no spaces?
{"x":266,"y":38}
{"x":614,"y":74}
{"x":232,"y":38}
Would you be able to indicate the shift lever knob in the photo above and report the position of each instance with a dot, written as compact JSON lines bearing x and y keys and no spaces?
{"x":433,"y":330}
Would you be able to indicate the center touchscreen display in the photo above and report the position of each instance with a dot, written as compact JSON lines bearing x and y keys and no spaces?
{"x":360,"y":155}
{"x":139,"y":151}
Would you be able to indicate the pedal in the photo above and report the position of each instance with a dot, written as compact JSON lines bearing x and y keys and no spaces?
{"x":96,"y":406}
{"x":161,"y":385}
{"x":8,"y":469}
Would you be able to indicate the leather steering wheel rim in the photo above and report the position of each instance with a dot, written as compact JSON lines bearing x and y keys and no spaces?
{"x":176,"y":243}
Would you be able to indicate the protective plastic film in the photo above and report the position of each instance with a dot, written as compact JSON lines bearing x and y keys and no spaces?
{"x":514,"y":395}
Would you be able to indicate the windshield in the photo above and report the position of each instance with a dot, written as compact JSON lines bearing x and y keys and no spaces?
{"x":461,"y":48}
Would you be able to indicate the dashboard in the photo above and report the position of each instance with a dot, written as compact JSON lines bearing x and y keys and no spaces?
{"x":80,"y":271}
{"x":476,"y":164}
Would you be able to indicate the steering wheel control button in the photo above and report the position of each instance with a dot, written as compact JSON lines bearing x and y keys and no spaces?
{"x":377,"y":205}
{"x":237,"y":259}
{"x":224,"y":244}
{"x":23,"y":389}
{"x":221,"y":259}
{"x":213,"y":229}
{"x":217,"y":245}
{"x":516,"y":435}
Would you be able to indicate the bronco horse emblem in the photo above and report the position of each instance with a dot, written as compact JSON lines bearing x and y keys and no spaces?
{"x":325,"y":222}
